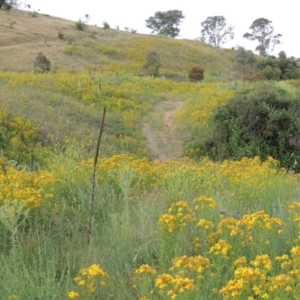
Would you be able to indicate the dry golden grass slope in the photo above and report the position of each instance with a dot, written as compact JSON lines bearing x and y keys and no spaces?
{"x":23,"y":36}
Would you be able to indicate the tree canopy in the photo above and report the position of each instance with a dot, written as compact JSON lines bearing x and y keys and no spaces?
{"x":165,"y":23}
{"x":244,"y":58}
{"x":216,"y":32}
{"x":8,"y":4}
{"x":262,"y":31}
{"x":280,"y":68}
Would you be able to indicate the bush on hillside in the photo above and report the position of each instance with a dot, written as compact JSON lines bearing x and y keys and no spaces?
{"x":80,"y":25}
{"x":106,"y":25}
{"x":42,"y":64}
{"x":19,"y":140}
{"x":152,"y":63}
{"x":271,"y":73}
{"x":196,"y":74}
{"x":280,"y":68}
{"x":245,"y":61}
{"x":264,"y":121}
{"x":60,"y":35}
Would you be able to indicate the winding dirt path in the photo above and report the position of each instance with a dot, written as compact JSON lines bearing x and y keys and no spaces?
{"x":160,"y":132}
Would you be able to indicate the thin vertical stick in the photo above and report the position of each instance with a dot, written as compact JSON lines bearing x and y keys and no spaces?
{"x":94,"y":178}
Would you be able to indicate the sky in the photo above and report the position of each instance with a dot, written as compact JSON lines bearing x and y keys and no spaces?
{"x":133,"y":13}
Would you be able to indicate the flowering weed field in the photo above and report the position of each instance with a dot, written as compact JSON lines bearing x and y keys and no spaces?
{"x":160,"y":230}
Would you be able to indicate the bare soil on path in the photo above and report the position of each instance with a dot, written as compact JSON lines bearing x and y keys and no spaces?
{"x":160,"y":131}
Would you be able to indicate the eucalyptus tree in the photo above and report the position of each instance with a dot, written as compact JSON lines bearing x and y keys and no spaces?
{"x":216,"y":32}
{"x":263,"y":32}
{"x":165,"y":23}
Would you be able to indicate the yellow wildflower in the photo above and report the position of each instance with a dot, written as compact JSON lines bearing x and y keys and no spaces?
{"x":145,"y":269}
{"x":73,"y":295}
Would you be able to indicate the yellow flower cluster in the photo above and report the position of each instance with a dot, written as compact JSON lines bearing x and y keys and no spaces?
{"x":28,"y":188}
{"x":221,"y":248}
{"x":201,"y":105}
{"x":147,"y":174}
{"x":178,"y":216}
{"x":258,"y":281}
{"x":253,"y":270}
{"x":90,"y":281}
{"x":174,"y":285}
{"x":18,"y":137}
{"x":194,"y":263}
{"x":145,"y":269}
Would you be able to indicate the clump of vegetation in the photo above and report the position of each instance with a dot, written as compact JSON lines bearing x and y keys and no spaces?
{"x":280,"y":68}
{"x":245,"y":61}
{"x":152,"y":64}
{"x":80,"y":25}
{"x":106,"y":25}
{"x":33,"y":14}
{"x":12,"y":23}
{"x":132,"y":30}
{"x":18,"y":139}
{"x":42,"y":64}
{"x":70,"y":50}
{"x":165,"y":22}
{"x":60,"y":35}
{"x":261,"y":122}
{"x":9,"y":4}
{"x":196,"y":74}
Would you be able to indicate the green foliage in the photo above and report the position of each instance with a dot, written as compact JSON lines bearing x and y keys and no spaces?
{"x":41,"y":63}
{"x":262,"y":31}
{"x":165,"y":23}
{"x":106,"y":25}
{"x":244,"y":59}
{"x":19,"y":139}
{"x":60,"y":35}
{"x":281,"y":68}
{"x":70,"y":50}
{"x":215,"y":31}
{"x":271,"y":73}
{"x":152,"y":63}
{"x":146,"y":212}
{"x":33,"y":14}
{"x":9,"y":4}
{"x":80,"y":25}
{"x":263,"y":122}
{"x":196,"y":74}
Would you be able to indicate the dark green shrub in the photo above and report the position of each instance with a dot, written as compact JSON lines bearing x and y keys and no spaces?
{"x":271,"y":73}
{"x":196,"y":74}
{"x":60,"y":35}
{"x":106,"y":25}
{"x":152,"y":64}
{"x":280,"y":68}
{"x":33,"y":14}
{"x":80,"y":25}
{"x":6,"y":5}
{"x":245,"y":61}
{"x":264,"y":121}
{"x":41,"y":63}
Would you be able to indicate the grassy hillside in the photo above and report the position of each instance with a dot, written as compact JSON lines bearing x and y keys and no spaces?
{"x":148,"y":229}
{"x":23,"y":36}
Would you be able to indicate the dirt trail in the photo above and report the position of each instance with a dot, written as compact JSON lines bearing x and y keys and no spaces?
{"x":160,"y":132}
